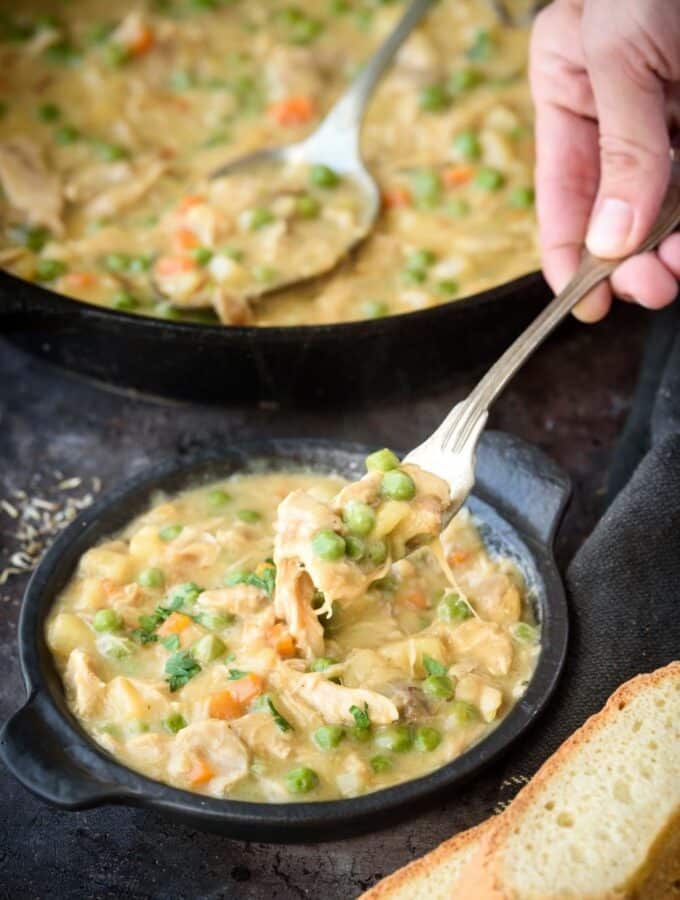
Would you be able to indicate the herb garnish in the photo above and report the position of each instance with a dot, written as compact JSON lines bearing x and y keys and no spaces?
{"x":283,"y":724}
{"x":433,"y":666}
{"x":181,"y":668}
{"x":362,"y":720}
{"x":264,"y":582}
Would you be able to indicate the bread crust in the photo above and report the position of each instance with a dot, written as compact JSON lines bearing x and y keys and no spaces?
{"x":385,"y":888}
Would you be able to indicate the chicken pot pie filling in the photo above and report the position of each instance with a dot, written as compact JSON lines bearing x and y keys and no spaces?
{"x":111,"y":119}
{"x":276,"y":635}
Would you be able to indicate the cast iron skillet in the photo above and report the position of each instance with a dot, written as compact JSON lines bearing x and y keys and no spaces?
{"x":355,"y":362}
{"x":520,"y":497}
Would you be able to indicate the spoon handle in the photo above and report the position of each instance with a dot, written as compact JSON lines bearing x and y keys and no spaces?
{"x":467,"y":419}
{"x":345,"y":116}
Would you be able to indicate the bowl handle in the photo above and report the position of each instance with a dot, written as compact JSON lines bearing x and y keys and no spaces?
{"x":36,"y":754}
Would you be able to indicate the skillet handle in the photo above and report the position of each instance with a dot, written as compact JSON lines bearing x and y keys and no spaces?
{"x":34,"y":752}
{"x":522,"y":482}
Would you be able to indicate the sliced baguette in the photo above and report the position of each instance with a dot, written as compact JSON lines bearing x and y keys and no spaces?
{"x":600,"y":819}
{"x":431,"y":876}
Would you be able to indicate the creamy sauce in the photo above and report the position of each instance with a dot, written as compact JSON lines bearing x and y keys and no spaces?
{"x":176,"y":660}
{"x":111,"y":117}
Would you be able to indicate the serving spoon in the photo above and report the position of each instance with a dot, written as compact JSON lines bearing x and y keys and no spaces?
{"x":449,"y":452}
{"x":335,"y":143}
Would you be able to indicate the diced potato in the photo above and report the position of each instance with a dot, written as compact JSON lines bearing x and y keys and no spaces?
{"x":101,"y":562}
{"x":67,"y":632}
{"x":146,"y":547}
{"x":473,"y":689}
{"x":123,"y":700}
{"x":91,"y":594}
{"x":389,"y":516}
{"x":407,"y":655}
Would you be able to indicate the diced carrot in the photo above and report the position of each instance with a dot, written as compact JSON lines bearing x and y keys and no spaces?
{"x":174,"y":624}
{"x":295,"y":110}
{"x":458,"y":557}
{"x":190,"y":200}
{"x":200,"y":772}
{"x":247,"y":688}
{"x":396,"y":196}
{"x":417,"y":599}
{"x":79,"y":280}
{"x":224,"y":706}
{"x":453,"y":176}
{"x":173,"y":265}
{"x":143,"y":41}
{"x":184,"y":239}
{"x":285,"y":646}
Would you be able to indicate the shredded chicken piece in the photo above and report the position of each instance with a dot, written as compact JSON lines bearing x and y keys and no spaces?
{"x":484,"y":642}
{"x":119,"y":197}
{"x":240,"y":599}
{"x":214,"y":742}
{"x":293,"y":603}
{"x":83,"y":681}
{"x":260,"y":733}
{"x":485,"y":697}
{"x":333,"y":701}
{"x":29,"y":184}
{"x":232,"y":309}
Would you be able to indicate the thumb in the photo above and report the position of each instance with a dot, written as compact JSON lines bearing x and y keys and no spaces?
{"x":634,"y":150}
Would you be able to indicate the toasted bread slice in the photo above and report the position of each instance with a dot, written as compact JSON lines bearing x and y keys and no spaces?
{"x":600,"y":819}
{"x":431,"y":876}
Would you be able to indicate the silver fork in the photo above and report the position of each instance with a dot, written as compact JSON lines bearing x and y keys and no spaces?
{"x":450,"y":451}
{"x":510,"y":18}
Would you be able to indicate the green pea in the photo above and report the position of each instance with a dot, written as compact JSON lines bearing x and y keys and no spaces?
{"x":481,"y":47}
{"x":181,"y":80}
{"x":466,"y":145}
{"x":525,"y":633}
{"x":426,"y":739}
{"x":307,"y":207}
{"x":457,"y":207}
{"x":169,"y":532}
{"x":124,"y":300}
{"x":415,"y":276}
{"x":49,"y":269}
{"x":434,"y":97}
{"x":359,"y":518}
{"x":376,"y":551}
{"x":420,"y":259}
{"x":115,"y":54}
{"x":439,"y":687}
{"x":521,"y":197}
{"x":259,"y":217}
{"x":167,"y":311}
{"x":382,"y":461}
{"x":452,"y":608}
{"x":448,"y":286}
{"x":397,"y":738}
{"x":33,"y":238}
{"x":218,"y":497}
{"x":208,"y":648}
{"x":251,"y":516}
{"x":328,"y":545}
{"x":321,"y":664}
{"x":216,"y":621}
{"x":264,"y":274}
{"x":137,"y":264}
{"x":327,"y":737}
{"x":397,"y":485}
{"x":464,"y":80}
{"x":381,"y":763}
{"x":374,"y":309}
{"x":323,"y":177}
{"x":174,"y":722}
{"x":117,"y":262}
{"x":137,"y":726}
{"x":49,"y":112}
{"x":489,"y":179}
{"x":300,"y":780}
{"x":360,"y":734}
{"x":106,"y":620}
{"x":67,"y":134}
{"x":202,"y":255}
{"x":354,"y":547}
{"x":427,"y":187}
{"x":151,"y":578}
{"x":110,"y":152}
{"x":463,"y":713}
{"x":115,"y":647}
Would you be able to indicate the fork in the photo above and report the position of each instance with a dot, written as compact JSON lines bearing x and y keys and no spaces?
{"x":450,"y":450}
{"x":510,"y":18}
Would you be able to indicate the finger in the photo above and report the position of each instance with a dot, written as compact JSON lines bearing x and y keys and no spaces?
{"x":634,"y":142}
{"x":669,"y":254}
{"x":594,"y":305}
{"x":647,"y":280}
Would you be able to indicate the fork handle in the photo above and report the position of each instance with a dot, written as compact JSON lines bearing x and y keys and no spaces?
{"x":592,"y":270}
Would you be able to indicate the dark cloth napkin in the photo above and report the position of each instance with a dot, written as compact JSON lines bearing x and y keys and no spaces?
{"x":624,"y":582}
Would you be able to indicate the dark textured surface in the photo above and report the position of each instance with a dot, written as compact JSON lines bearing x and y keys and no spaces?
{"x":571,"y":400}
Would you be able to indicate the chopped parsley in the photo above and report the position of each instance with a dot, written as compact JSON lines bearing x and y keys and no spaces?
{"x":181,"y":595}
{"x":235,"y":674}
{"x":433,"y":666}
{"x":361,"y":718}
{"x":264,"y":582}
{"x":180,"y":668}
{"x":171,"y":642}
{"x":282,"y":724}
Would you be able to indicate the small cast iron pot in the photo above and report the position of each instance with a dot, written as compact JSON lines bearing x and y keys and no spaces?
{"x":520,"y":497}
{"x":302,"y":365}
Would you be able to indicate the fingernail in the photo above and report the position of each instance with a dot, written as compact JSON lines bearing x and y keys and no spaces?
{"x":610,"y":228}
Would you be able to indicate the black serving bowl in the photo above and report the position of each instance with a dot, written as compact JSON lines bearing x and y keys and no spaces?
{"x":520,"y":497}
{"x":303,"y":365}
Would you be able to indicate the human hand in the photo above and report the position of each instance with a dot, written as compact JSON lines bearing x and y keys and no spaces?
{"x":605,"y":77}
